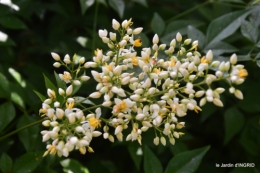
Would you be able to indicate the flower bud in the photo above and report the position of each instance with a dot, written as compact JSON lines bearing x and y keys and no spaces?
{"x":69,"y":90}
{"x":156,"y":140}
{"x":187,"y":41}
{"x":57,"y":64}
{"x":238,"y":94}
{"x":55,"y":56}
{"x":233,"y":59}
{"x":61,"y":91}
{"x":137,"y":30}
{"x":102,"y":33}
{"x":95,"y":95}
{"x":163,"y":140}
{"x":217,"y":102}
{"x":155,"y":39}
{"x":178,"y":37}
{"x":115,"y":24}
{"x":81,"y":60}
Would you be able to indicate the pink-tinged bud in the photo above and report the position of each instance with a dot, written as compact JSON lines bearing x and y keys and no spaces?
{"x":115,"y":24}
{"x":179,"y":37}
{"x":55,"y":56}
{"x":155,"y":39}
{"x":238,"y":94}
{"x":69,"y":90}
{"x":95,"y":95}
{"x":137,"y":30}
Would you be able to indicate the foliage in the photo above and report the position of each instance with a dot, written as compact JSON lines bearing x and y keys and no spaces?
{"x":28,"y":35}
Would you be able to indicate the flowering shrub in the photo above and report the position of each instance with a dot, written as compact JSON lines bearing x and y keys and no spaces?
{"x":148,"y":90}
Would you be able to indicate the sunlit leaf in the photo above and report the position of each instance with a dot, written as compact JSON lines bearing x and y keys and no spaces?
{"x":158,"y":24}
{"x":29,"y":135}
{"x":42,"y":97}
{"x":7,"y":112}
{"x":79,"y":99}
{"x":6,"y":163}
{"x":234,"y":121}
{"x":71,"y":165}
{"x":27,"y":163}
{"x":85,"y":4}
{"x":16,"y":98}
{"x":225,"y":25}
{"x":12,"y":22}
{"x":118,"y":6}
{"x":151,"y":162}
{"x":249,"y":30}
{"x":196,"y":34}
{"x":220,"y":47}
{"x":188,"y":161}
{"x":17,"y":76}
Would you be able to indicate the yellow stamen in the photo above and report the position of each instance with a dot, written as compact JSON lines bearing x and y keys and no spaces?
{"x":138,"y":42}
{"x":69,"y":105}
{"x":172,"y":62}
{"x":156,"y":70}
{"x":135,"y":61}
{"x":66,"y":77}
{"x":109,"y":67}
{"x":94,"y":122}
{"x":242,"y":73}
{"x":204,"y":60}
{"x":197,"y":109}
{"x":96,"y":51}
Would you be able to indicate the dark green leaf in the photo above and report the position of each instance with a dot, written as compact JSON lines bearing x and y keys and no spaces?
{"x":6,"y":163}
{"x":158,"y":24}
{"x":249,"y":30}
{"x":255,"y":15}
{"x":225,"y":25}
{"x":136,"y":157}
{"x":27,"y":162}
{"x":220,"y":47}
{"x":71,"y":165}
{"x":151,"y":162}
{"x":234,"y":121}
{"x":42,"y":97}
{"x":208,"y":110}
{"x":102,"y":2}
{"x":49,"y":84}
{"x":243,"y":58}
{"x":7,"y":42}
{"x":142,"y":2}
{"x":60,"y":83}
{"x":7,"y":112}
{"x":188,"y":161}
{"x":196,"y":34}
{"x":177,"y":26}
{"x":85,"y":4}
{"x":29,"y":135}
{"x":4,"y":87}
{"x":118,"y":6}
{"x":76,"y":88}
{"x":12,"y":22}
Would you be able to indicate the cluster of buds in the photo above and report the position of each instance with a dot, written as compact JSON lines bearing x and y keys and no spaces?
{"x":143,"y":91}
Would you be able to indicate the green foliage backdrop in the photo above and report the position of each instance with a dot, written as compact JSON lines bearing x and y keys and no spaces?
{"x":30,"y":30}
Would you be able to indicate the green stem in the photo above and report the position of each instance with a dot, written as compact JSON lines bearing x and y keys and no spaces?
{"x":20,"y":129}
{"x":92,"y":107}
{"x":95,"y":26}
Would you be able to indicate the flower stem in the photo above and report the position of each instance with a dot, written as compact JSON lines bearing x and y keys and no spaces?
{"x":20,"y":129}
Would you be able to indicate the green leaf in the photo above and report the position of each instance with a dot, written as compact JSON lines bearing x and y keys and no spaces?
{"x":135,"y":155}
{"x":42,"y":97}
{"x":16,"y":98}
{"x":234,"y":121}
{"x":71,"y":165}
{"x":4,"y":87}
{"x":85,"y":4}
{"x":158,"y":24}
{"x":142,"y":2}
{"x":79,"y":99}
{"x":76,"y":88}
{"x":145,"y":40}
{"x":118,"y":6}
{"x":6,"y":163}
{"x":225,"y":25}
{"x":151,"y":162}
{"x":29,"y":135}
{"x":12,"y":22}
{"x":27,"y":162}
{"x":208,"y":110}
{"x":60,"y":83}
{"x":102,"y":2}
{"x":255,"y":16}
{"x":249,"y":30}
{"x":196,"y":34}
{"x":188,"y":161}
{"x":49,"y":84}
{"x":220,"y":47}
{"x":7,"y":112}
{"x":177,"y":26}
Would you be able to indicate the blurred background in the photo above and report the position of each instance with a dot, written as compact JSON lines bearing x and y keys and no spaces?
{"x":30,"y":30}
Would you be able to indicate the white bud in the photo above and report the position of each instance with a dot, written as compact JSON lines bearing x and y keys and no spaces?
{"x":203,"y":101}
{"x":233,"y":59}
{"x":102,"y":33}
{"x":217,"y":102}
{"x":156,"y":140}
{"x":59,"y":113}
{"x":118,"y":129}
{"x":84,"y":78}
{"x":137,"y":30}
{"x":46,"y":123}
{"x":178,"y":37}
{"x":209,"y":56}
{"x":155,"y":39}
{"x":117,"y":71}
{"x":69,"y":90}
{"x":95,"y":95}
{"x":163,"y":140}
{"x":122,"y":43}
{"x":231,"y":90}
{"x":57,"y":64}
{"x":115,"y":24}
{"x":55,"y":56}
{"x":173,"y":43}
{"x":76,"y":82}
{"x":187,"y":41}
{"x":238,"y":94}
{"x":172,"y":141}
{"x":61,"y":91}
{"x":105,"y":40}
{"x":57,"y":104}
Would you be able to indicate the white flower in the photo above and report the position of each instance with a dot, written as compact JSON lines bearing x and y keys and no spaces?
{"x":102,"y":33}
{"x":115,"y":24}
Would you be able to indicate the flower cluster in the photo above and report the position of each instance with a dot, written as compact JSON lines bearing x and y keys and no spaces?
{"x":142,"y":90}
